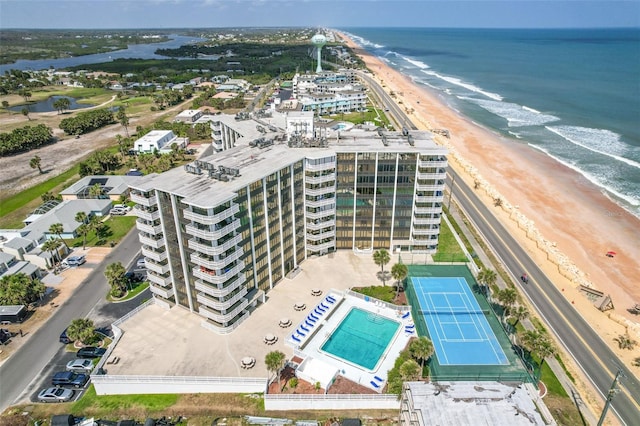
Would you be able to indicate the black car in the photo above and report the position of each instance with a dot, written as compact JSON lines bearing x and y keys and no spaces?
{"x":64,"y":338}
{"x":69,"y":378}
{"x":90,"y":352}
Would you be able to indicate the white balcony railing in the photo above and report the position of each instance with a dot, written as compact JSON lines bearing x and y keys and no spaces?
{"x":321,"y":224}
{"x":435,"y":176}
{"x":213,"y":219}
{"x":427,"y":210}
{"x":219,"y":292}
{"x":156,"y":267}
{"x":429,"y":187}
{"x":426,"y":220}
{"x":139,"y":199}
{"x":145,"y":214}
{"x":425,"y":231}
{"x":221,"y":305}
{"x":322,"y":236}
{"x":324,"y":214}
{"x":155,"y":243}
{"x":217,"y":264}
{"x":320,"y":167}
{"x":331,"y":177}
{"x":331,"y":202}
{"x":315,"y":248}
{"x":164,"y":292}
{"x":218,"y":278}
{"x":438,"y":163}
{"x":214,"y":250}
{"x":158,"y":256}
{"x":149,"y":229}
{"x":157,"y":279}
{"x":213,"y":234}
{"x":223,"y":318}
{"x":320,"y":191}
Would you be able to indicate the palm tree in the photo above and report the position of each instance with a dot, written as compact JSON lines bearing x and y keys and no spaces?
{"x":96,"y":191}
{"x":84,"y":228}
{"x":487,"y":278}
{"x":519,"y":314}
{"x":58,"y":229}
{"x":399,"y":272}
{"x":507,"y":297}
{"x":381,"y":257}
{"x":625,"y":341}
{"x":52,"y":246}
{"x":35,"y":163}
{"x":25,"y":112}
{"x":116,"y":277}
{"x":410,"y":370}
{"x":275,"y":361}
{"x":539,"y":344}
{"x":123,"y":119}
{"x":81,"y":329}
{"x":421,"y":349}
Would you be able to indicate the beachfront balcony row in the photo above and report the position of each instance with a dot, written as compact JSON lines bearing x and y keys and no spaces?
{"x":220,"y":291}
{"x":320,"y":224}
{"x":223,"y":318}
{"x":316,"y":248}
{"x":214,"y":250}
{"x":214,"y":218}
{"x":155,"y":243}
{"x":323,"y":214}
{"x":313,"y":237}
{"x":141,"y":199}
{"x":161,"y":280}
{"x":437,"y":163}
{"x":329,"y":202}
{"x":217,"y":263}
{"x":221,"y":305}
{"x":320,"y":179}
{"x":146,"y":214}
{"x":148,"y":227}
{"x":160,"y":268}
{"x":213,"y":234}
{"x":314,"y":192}
{"x":319,"y":167}
{"x":160,"y":291}
{"x":158,"y":256}
{"x":217,"y":277}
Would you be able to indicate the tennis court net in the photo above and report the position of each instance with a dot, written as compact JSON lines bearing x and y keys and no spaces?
{"x":454,"y":312}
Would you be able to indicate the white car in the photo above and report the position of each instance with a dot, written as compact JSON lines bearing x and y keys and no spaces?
{"x":140,"y":264}
{"x":74,"y":261}
{"x":80,"y":365}
{"x":124,"y":207}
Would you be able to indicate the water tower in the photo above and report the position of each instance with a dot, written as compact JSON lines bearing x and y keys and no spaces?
{"x":318,"y":41}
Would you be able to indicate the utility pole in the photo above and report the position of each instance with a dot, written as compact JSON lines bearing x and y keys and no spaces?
{"x":453,"y":182}
{"x":612,"y":391}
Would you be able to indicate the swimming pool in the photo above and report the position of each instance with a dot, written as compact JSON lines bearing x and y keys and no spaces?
{"x":361,"y":338}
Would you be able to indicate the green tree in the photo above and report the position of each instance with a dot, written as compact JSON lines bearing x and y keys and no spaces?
{"x":410,"y":370}
{"x":34,"y":163}
{"x":487,"y":278}
{"x":5,"y":104}
{"x":275,"y":362}
{"x":381,"y":257}
{"x":52,"y":246}
{"x":507,"y":297}
{"x":121,"y":115}
{"x":519,"y":313}
{"x":96,"y":191}
{"x":116,"y":277}
{"x":26,"y":95}
{"x":82,"y":329}
{"x":20,"y":289}
{"x":399,"y":272}
{"x":25,"y":112}
{"x":84,"y":228}
{"x":421,"y":349}
{"x":538,"y":343}
{"x":57,"y":229}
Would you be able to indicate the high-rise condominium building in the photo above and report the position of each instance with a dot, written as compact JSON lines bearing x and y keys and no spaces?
{"x":220,"y":232}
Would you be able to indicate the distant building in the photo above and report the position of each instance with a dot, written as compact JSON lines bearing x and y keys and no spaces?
{"x":188,"y":116}
{"x":159,"y":140}
{"x":113,"y":187}
{"x":65,"y":213}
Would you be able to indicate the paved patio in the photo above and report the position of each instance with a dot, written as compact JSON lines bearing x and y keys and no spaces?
{"x":159,"y":342}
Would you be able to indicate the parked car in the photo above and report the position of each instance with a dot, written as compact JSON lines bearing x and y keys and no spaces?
{"x":69,"y":378}
{"x":80,"y":364}
{"x":55,"y":395}
{"x":140,"y":263}
{"x":133,"y":277}
{"x":74,"y":261}
{"x":124,"y":207}
{"x":64,"y":338}
{"x":117,"y":212}
{"x":90,"y":352}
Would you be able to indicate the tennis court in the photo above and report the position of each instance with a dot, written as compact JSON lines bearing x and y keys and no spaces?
{"x":457,"y":325}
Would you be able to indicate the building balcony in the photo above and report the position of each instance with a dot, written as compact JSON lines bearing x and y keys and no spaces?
{"x":223,"y":318}
{"x":434,"y":176}
{"x":149,"y":229}
{"x":213,"y":234}
{"x":219,"y":290}
{"x":426,"y":220}
{"x":215,"y":250}
{"x":436,"y":163}
{"x":157,"y":267}
{"x":331,"y":177}
{"x":320,"y":167}
{"x":325,"y":215}
{"x":158,"y":256}
{"x":216,"y":264}
{"x":322,"y":236}
{"x":214,"y":277}
{"x":417,"y":233}
{"x":158,"y":279}
{"x":330,"y":202}
{"x":142,"y":200}
{"x":316,"y":248}
{"x":218,"y":305}
{"x":213,"y":219}
{"x":315,"y":192}
{"x":146,"y":214}
{"x":162,"y":292}
{"x":320,"y":224}
{"x":151,"y":242}
{"x":429,"y":187}
{"x":426,"y":210}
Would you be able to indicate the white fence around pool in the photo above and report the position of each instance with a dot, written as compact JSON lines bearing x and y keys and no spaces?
{"x":133,"y":385}
{"x":331,"y":402}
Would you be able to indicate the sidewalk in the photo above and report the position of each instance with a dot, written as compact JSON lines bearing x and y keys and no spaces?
{"x":555,"y":366}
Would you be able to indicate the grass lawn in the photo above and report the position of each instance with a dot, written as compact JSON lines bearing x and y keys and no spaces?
{"x":385,"y":293}
{"x":136,"y":289}
{"x":116,"y":228}
{"x":448,"y":248}
{"x":102,"y":406}
{"x":15,"y":208}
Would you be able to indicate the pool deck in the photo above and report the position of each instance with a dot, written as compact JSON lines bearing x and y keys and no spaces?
{"x":159,"y":342}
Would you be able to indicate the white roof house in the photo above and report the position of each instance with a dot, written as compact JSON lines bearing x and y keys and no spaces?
{"x":188,"y":116}
{"x":158,"y":140}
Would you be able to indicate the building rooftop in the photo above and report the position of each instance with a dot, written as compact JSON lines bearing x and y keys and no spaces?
{"x":18,"y":243}
{"x":255,"y":163}
{"x":113,"y":185}
{"x":472,"y":403}
{"x":65,"y":213}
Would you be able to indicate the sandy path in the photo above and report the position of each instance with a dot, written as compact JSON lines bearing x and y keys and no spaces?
{"x":15,"y":173}
{"x":546,"y":205}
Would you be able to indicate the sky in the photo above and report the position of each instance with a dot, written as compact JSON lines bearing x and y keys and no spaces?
{"x":101,"y":14}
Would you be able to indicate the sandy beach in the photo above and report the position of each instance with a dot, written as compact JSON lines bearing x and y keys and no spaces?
{"x":566,"y":223}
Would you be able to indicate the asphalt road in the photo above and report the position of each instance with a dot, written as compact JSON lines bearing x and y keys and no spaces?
{"x":599,"y":363}
{"x":23,"y":371}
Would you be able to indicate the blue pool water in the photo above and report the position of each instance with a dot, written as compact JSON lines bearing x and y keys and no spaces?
{"x":361,"y":338}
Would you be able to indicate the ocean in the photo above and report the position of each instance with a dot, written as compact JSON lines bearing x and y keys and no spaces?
{"x":572,"y":94}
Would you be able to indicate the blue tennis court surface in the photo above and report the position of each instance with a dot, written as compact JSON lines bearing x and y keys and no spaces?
{"x":457,"y":326}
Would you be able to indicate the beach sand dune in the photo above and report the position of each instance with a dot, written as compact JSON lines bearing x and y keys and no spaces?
{"x":542,"y":200}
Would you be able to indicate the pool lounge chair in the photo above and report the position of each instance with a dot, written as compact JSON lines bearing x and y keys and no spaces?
{"x":313,"y":317}
{"x":324,"y":306}
{"x":303,"y":328}
{"x":374,"y":384}
{"x":378,"y":379}
{"x":301,"y":333}
{"x":330,"y":299}
{"x":318,"y":312}
{"x":295,"y":339}
{"x":407,"y":315}
{"x":308,"y":324}
{"x":320,"y":308}
{"x":410,"y":326}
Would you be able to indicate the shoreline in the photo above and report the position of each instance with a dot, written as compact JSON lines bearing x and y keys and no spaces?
{"x":565,"y":222}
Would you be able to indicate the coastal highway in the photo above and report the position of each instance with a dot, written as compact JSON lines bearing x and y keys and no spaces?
{"x":597,"y":361}
{"x":18,"y":373}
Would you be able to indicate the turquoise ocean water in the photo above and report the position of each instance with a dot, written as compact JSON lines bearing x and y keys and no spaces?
{"x":572,"y":94}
